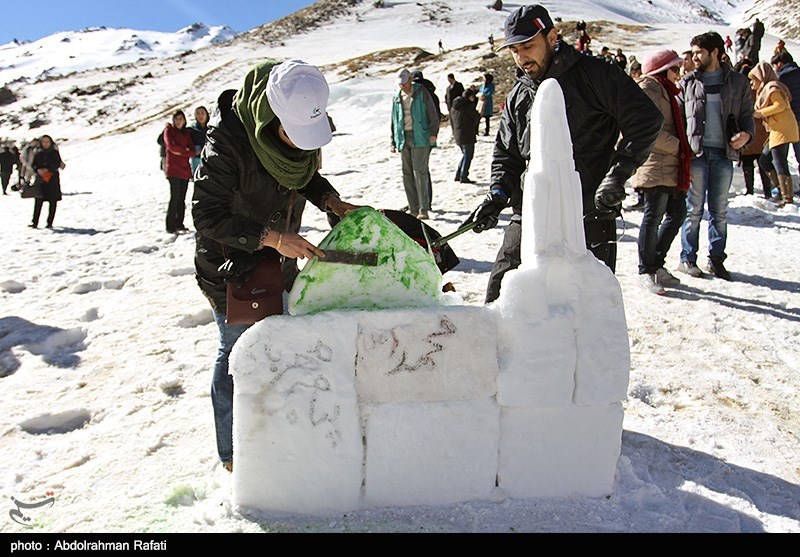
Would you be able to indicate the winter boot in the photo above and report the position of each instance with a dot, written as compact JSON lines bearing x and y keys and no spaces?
{"x":775,"y":184}
{"x":749,"y":174}
{"x":787,"y":189}
{"x":766,"y":185}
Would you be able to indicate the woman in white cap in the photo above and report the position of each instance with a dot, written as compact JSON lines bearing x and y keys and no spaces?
{"x":664,"y":177}
{"x":259,"y":166}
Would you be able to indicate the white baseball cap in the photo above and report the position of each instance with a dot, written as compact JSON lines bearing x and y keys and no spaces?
{"x":298,"y":94}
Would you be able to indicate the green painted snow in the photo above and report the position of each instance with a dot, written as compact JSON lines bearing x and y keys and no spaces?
{"x":406,"y":274}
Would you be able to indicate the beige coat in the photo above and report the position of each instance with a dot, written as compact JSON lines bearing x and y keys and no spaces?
{"x":661,"y":167}
{"x":779,"y":120}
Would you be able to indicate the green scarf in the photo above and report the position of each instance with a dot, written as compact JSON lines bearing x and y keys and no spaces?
{"x":292,"y":170}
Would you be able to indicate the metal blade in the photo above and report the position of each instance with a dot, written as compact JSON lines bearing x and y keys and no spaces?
{"x":350,"y":257}
{"x":444,"y":239}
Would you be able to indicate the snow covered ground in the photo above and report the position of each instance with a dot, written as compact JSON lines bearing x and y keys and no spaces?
{"x":106,"y":344}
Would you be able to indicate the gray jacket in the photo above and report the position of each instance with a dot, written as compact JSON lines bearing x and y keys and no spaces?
{"x":736,"y":100}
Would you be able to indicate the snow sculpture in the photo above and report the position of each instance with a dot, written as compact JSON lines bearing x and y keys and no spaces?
{"x":341,"y":410}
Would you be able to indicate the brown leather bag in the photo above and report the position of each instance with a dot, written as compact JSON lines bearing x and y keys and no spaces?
{"x":257,"y":295}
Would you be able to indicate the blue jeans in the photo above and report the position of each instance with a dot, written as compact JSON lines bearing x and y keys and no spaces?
{"x":222,"y":387}
{"x":711,"y":176}
{"x":655,"y":236}
{"x":467,"y":151}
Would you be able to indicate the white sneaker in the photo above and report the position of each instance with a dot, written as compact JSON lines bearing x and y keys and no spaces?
{"x":423,"y":215}
{"x":648,"y":282}
{"x":665,"y":278}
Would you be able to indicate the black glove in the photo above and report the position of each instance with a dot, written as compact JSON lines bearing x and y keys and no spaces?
{"x":488,"y":212}
{"x":611,"y":192}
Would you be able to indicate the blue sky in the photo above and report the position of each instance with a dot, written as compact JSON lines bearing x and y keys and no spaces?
{"x":33,"y":20}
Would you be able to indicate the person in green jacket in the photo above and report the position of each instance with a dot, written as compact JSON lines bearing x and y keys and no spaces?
{"x":415,"y":125}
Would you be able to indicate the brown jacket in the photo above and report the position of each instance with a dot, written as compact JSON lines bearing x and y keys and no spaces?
{"x":762,"y":135}
{"x":661,"y":167}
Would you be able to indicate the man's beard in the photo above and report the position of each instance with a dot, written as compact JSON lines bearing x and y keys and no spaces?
{"x":537,"y":71}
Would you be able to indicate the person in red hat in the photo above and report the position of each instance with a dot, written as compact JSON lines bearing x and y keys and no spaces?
{"x":612,"y":122}
{"x":663,"y":179}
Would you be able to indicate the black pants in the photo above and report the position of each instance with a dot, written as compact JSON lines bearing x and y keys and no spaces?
{"x":486,"y":130}
{"x":5,"y":178}
{"x":748,"y":170}
{"x":37,"y":210}
{"x":177,"y":203}
{"x":601,"y":240}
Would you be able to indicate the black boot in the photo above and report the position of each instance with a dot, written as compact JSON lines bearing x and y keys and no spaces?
{"x":749,"y":179}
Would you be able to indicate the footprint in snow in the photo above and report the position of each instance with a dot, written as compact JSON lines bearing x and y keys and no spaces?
{"x":60,"y":422}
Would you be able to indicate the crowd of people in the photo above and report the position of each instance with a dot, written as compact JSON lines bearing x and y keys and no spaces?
{"x":713,"y":114}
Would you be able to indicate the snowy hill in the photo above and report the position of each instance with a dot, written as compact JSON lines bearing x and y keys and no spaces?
{"x":107,"y":344}
{"x":98,"y":47}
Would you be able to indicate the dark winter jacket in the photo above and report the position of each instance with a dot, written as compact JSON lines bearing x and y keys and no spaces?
{"x":198,"y":132}
{"x":51,"y":160}
{"x":464,"y":119}
{"x":235,"y":199}
{"x":7,"y":161}
{"x":431,"y":88}
{"x":180,"y":149}
{"x":602,"y":102}
{"x":736,"y":100}
{"x":789,"y":75}
{"x":453,"y":91}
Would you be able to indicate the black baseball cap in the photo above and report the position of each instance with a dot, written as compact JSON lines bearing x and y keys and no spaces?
{"x":525,"y":23}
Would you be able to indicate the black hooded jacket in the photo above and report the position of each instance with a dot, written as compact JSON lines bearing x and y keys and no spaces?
{"x":235,"y":199}
{"x":602,"y":102}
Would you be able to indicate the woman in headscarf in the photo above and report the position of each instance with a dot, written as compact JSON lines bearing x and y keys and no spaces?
{"x":774,"y":110}
{"x":198,"y":130}
{"x":46,"y":165}
{"x":663,"y":179}
{"x":259,"y":166}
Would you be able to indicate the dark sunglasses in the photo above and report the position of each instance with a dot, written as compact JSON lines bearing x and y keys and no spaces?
{"x":675,"y":69}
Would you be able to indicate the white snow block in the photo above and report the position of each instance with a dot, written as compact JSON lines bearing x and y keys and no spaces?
{"x":537,"y":350}
{"x":559,"y":452}
{"x":427,"y":354}
{"x":297,"y":441}
{"x":431,"y":453}
{"x":604,"y":361}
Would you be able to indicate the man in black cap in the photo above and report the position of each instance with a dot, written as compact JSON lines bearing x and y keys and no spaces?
{"x":613,"y":126}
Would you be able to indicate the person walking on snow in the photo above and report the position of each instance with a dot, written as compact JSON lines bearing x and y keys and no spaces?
{"x":464,"y":120}
{"x":180,"y":148}
{"x":663,"y":179}
{"x":774,"y":112}
{"x":46,"y":166}
{"x":718,"y":110}
{"x":414,"y":128}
